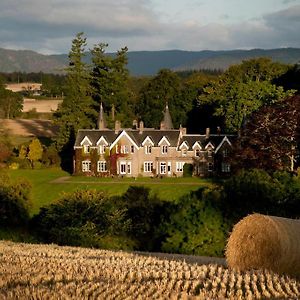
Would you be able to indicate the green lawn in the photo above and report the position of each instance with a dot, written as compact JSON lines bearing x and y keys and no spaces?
{"x":45,"y":191}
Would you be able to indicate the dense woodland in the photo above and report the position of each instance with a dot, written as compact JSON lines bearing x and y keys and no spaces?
{"x":258,"y":100}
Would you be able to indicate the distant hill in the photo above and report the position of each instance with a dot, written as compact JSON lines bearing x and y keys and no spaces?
{"x":29,"y":61}
{"x":147,"y":62}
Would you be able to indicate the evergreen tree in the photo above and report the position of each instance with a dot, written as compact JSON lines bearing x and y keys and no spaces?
{"x":164,"y":87}
{"x":77,"y":110}
{"x":109,"y":81}
{"x":11,"y":104}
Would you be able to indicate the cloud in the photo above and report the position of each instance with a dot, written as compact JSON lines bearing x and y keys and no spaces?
{"x":50,"y":26}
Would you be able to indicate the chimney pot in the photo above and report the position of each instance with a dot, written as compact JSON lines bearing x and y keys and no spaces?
{"x":141,"y":127}
{"x":117,"y":126}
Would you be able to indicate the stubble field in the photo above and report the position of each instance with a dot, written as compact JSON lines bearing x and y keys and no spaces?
{"x":53,"y":272}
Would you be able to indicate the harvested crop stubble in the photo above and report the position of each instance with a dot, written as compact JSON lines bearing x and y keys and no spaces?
{"x":53,"y":272}
{"x":265,"y":242}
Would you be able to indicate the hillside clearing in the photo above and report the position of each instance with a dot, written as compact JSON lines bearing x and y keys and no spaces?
{"x":26,"y":127}
{"x":54,"y":272}
{"x":41,"y":106}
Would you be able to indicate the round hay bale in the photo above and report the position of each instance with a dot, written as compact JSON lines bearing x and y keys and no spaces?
{"x":265,"y":242}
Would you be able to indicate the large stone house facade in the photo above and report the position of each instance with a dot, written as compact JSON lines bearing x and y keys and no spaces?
{"x":149,"y":152}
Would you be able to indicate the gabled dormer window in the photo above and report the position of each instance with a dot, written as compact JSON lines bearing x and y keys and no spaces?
{"x":86,"y":148}
{"x":197,"y":152}
{"x":164,"y":149}
{"x":148,"y":149}
{"x":101,"y":149}
{"x":183,"y":151}
{"x":209,"y":152}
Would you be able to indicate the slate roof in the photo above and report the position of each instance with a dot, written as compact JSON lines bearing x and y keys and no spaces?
{"x":110,"y":136}
{"x":155,"y":135}
{"x":214,"y":139}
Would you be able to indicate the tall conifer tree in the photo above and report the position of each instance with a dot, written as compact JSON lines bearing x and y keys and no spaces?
{"x":77,"y":110}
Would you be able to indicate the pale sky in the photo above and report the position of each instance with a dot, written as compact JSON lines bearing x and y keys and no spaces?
{"x":48,"y":26}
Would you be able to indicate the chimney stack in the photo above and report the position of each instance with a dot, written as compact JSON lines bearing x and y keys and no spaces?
{"x":117,"y":126}
{"x":134,"y":124}
{"x":141,"y":127}
{"x":182,"y":130}
{"x":207,"y":133}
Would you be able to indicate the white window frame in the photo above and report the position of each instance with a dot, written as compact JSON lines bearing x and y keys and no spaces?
{"x":164,"y":149}
{"x":225,"y":152}
{"x":123,"y":166}
{"x":132,"y":149}
{"x":197,"y":151}
{"x":225,"y":167}
{"x":184,"y":152}
{"x":129,"y":167}
{"x":101,"y":149}
{"x":148,"y":166}
{"x":169,"y":167}
{"x":86,"y":148}
{"x":210,"y":167}
{"x":148,"y":149}
{"x":102,"y":166}
{"x":162,"y":167}
{"x":179,"y":166}
{"x":124,"y":149}
{"x":86,"y":166}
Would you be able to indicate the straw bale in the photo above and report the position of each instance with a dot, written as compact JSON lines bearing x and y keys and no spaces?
{"x":265,"y":242}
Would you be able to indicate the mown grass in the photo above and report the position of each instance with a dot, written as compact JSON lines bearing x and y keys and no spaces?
{"x":46,"y":189}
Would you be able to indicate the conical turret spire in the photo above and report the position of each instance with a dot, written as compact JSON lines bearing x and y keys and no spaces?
{"x":101,"y":119}
{"x":166,"y":123}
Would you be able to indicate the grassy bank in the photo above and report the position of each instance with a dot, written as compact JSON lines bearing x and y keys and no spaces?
{"x":49,"y":184}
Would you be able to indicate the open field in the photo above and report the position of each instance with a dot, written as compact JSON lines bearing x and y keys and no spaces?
{"x":53,"y":272}
{"x":41,"y":106}
{"x":49,"y":184}
{"x":25,"y":127}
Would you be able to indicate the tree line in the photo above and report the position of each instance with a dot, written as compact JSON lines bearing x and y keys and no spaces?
{"x":196,"y":101}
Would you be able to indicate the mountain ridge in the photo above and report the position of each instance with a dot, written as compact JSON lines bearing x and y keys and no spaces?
{"x":147,"y":62}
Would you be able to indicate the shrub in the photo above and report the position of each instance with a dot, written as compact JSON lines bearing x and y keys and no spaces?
{"x":14,"y":201}
{"x":252,"y":191}
{"x":83,"y":218}
{"x":187,"y":170}
{"x":144,"y":212}
{"x":196,"y":225}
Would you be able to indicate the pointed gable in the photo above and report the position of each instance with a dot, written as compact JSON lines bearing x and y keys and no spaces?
{"x":164,"y":139}
{"x":225,"y":140}
{"x":124,"y":134}
{"x":86,"y":141}
{"x":184,"y":145}
{"x":209,"y":144}
{"x":148,"y":140}
{"x":102,"y":140}
{"x":197,"y":145}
